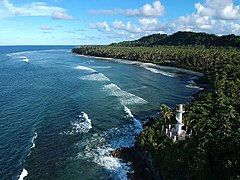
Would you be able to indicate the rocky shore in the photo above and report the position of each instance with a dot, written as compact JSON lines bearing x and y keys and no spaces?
{"x":141,"y":161}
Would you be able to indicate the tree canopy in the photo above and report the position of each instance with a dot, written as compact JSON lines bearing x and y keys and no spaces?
{"x":184,"y":38}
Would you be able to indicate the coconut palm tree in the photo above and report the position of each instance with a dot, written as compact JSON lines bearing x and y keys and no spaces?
{"x":166,"y":113}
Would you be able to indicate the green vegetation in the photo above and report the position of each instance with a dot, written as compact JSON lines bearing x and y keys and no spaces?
{"x":191,"y":57}
{"x":215,"y":152}
{"x":184,"y":39}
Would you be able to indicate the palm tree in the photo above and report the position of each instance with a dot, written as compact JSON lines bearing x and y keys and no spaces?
{"x":166,"y":113}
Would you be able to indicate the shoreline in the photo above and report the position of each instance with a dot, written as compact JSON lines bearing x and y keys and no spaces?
{"x":141,"y":160}
{"x":166,"y":67}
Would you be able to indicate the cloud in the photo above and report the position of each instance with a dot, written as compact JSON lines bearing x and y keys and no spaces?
{"x":61,"y":15}
{"x":148,"y":10}
{"x":214,"y":16}
{"x":46,"y":29}
{"x":101,"y":26}
{"x":34,"y":9}
{"x":154,"y":10}
{"x":218,"y":9}
{"x":129,"y":27}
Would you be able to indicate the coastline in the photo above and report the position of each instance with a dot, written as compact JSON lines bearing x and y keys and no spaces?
{"x":163,"y":66}
{"x":141,"y":160}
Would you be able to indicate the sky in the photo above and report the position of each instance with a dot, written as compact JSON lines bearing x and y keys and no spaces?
{"x":79,"y":22}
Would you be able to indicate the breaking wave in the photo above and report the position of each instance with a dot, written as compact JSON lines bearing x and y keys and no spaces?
{"x":33,"y":144}
{"x":95,"y":77}
{"x":137,"y":123}
{"x":84,"y":68}
{"x":24,"y":59}
{"x":99,"y":147}
{"x":158,"y":67}
{"x":125,"y":97}
{"x":101,"y":67}
{"x":23,"y":174}
{"x":194,"y":86}
{"x":158,"y":71}
{"x":82,"y":125}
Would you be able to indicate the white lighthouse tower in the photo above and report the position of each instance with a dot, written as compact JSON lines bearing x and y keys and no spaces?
{"x":180,"y":124}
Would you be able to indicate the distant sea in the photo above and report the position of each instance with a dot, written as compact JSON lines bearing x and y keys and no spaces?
{"x":61,"y":113}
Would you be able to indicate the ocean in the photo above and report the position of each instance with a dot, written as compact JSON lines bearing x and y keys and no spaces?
{"x":61,"y":114}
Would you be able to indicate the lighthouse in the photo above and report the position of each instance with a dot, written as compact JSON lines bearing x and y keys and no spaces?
{"x":180,"y":124}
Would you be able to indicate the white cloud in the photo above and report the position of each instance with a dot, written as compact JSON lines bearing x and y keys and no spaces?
{"x":148,"y":10}
{"x":61,"y":15}
{"x":219,"y":9}
{"x":46,"y":29}
{"x":106,"y":12}
{"x":129,"y":27}
{"x":34,"y":9}
{"x":43,"y":27}
{"x":154,"y":10}
{"x":101,"y":26}
{"x":214,"y":16}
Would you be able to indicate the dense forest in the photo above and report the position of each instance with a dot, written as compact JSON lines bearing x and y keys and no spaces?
{"x":191,"y":57}
{"x":215,"y":115}
{"x":184,"y":38}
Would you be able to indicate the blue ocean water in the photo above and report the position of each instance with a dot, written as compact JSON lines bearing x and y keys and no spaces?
{"x":61,"y":114}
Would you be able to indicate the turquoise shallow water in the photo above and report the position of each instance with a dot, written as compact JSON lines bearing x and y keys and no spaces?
{"x":60,"y":114}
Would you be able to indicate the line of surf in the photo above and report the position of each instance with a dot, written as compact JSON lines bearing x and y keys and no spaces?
{"x":24,"y":59}
{"x":95,"y":57}
{"x":157,"y":71}
{"x":99,"y":147}
{"x":24,"y":172}
{"x":79,"y":67}
{"x":150,"y":65}
{"x":95,"y":77}
{"x":126,"y":98}
{"x":33,"y":143}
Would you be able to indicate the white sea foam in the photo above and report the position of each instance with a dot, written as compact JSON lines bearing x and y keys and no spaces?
{"x":33,"y":144}
{"x":101,"y":155}
{"x":101,"y":67}
{"x":125,"y":97}
{"x":95,"y":77}
{"x":26,"y":60}
{"x":158,"y":71}
{"x":23,"y":174}
{"x":82,"y":125}
{"x":33,"y":140}
{"x":98,"y":148}
{"x":84,"y":68}
{"x":126,"y":61}
{"x":137,"y":123}
{"x":113,"y":164}
{"x":95,"y":57}
{"x":22,"y":57}
{"x":194,"y":86}
{"x":166,"y":68}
